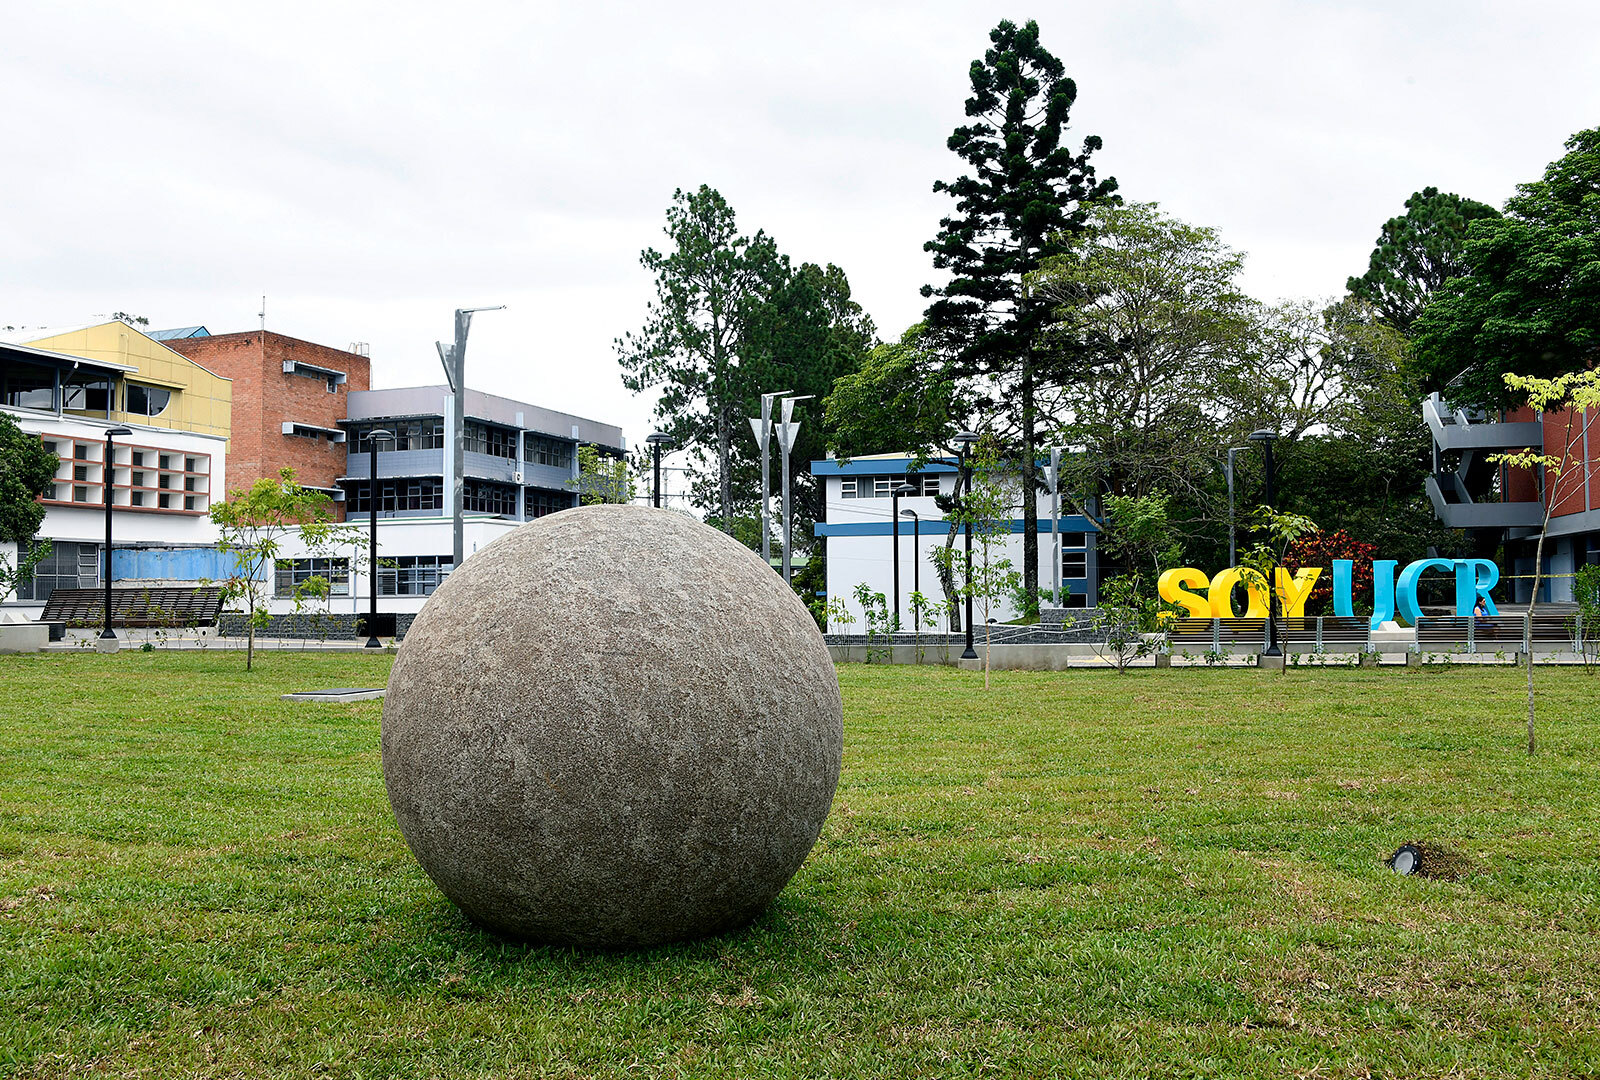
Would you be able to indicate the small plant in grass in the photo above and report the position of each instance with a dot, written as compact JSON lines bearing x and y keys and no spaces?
{"x":253,"y":526}
{"x":838,"y":616}
{"x":880,"y":623}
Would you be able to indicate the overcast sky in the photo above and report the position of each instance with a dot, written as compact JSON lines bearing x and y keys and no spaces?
{"x":371,"y":167}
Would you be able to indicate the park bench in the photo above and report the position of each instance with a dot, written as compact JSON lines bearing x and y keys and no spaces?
{"x":133,"y":608}
{"x":1552,"y":631}
{"x":1323,"y":634}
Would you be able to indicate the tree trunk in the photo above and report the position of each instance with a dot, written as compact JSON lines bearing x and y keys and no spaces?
{"x":250,"y":643}
{"x":724,"y":469}
{"x":1533,"y":599}
{"x":1030,"y":501}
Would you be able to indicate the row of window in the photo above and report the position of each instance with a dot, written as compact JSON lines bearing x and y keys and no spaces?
{"x":68,"y":566}
{"x":426,"y":433}
{"x":487,"y":497}
{"x":401,"y":575}
{"x":882,"y":487}
{"x":33,"y":386}
{"x":424,"y":493}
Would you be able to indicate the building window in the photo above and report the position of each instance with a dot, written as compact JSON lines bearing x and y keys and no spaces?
{"x":85,"y":393}
{"x":68,"y":566}
{"x":188,"y":502}
{"x":1075,"y":565}
{"x":80,"y":451}
{"x":138,"y":457}
{"x":188,"y":483}
{"x":419,"y":433}
{"x":537,"y":502}
{"x":164,"y":480}
{"x":80,"y":494}
{"x":135,"y":498}
{"x":80,"y":472}
{"x":147,"y":400}
{"x":491,"y":439}
{"x":137,"y":479}
{"x":292,"y":574}
{"x":412,"y":575}
{"x":191,"y":464}
{"x":1074,"y":540}
{"x":49,"y":446}
{"x":483,"y":497}
{"x":333,"y":384}
{"x":1077,"y":600}
{"x":27,"y":386}
{"x":164,"y":461}
{"x":539,"y":450}
{"x":930,"y":485}
{"x":424,"y":493}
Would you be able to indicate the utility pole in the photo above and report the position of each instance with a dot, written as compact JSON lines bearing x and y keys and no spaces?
{"x":788,"y":435}
{"x":454,"y":359}
{"x":1055,"y":526}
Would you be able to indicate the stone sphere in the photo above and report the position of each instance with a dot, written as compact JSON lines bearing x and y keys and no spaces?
{"x":612,"y":727}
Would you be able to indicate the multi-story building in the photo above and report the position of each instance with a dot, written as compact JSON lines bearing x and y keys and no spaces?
{"x":859,"y":533}
{"x":1498,"y":504}
{"x":69,"y":388}
{"x":521,"y":462}
{"x":289,"y":399}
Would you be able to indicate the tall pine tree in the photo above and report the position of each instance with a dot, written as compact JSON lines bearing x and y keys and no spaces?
{"x":1023,"y":202}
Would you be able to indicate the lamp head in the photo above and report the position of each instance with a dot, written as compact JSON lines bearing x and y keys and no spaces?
{"x":908,"y":513}
{"x":660,"y":438}
{"x":118,"y":431}
{"x":1264,"y":435}
{"x":905,"y":489}
{"x":378,"y":434}
{"x":964,"y":439}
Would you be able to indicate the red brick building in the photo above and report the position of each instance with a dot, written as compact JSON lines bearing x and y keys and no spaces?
{"x":288,"y":398}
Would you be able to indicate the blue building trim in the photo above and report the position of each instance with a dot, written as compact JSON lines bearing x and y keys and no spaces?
{"x":1072,"y":523}
{"x":875,"y":467}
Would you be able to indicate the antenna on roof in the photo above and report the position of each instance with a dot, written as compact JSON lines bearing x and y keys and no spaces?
{"x":263,"y":313}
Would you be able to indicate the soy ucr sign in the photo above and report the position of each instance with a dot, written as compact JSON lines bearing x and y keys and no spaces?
{"x":1205,"y":597}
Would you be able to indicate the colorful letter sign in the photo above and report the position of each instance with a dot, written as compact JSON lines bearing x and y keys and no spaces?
{"x":1206,"y":597}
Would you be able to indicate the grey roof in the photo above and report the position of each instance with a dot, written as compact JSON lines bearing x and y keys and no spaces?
{"x":180,"y":332}
{"x":430,"y":401}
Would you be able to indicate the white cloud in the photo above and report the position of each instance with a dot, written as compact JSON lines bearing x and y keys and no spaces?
{"x":371,"y":167}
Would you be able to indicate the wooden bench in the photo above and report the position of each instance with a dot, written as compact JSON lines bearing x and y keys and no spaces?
{"x":1552,"y":631}
{"x":134,"y":608}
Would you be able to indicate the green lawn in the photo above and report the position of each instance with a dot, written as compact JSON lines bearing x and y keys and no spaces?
{"x":1164,"y":873}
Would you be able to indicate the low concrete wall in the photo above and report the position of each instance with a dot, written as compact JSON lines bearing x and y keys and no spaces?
{"x":305,"y":626}
{"x":23,"y":637}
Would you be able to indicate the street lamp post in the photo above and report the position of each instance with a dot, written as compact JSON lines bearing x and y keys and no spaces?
{"x":894,"y":504}
{"x":916,"y":563}
{"x":658,"y":440}
{"x":105,"y":483}
{"x":761,"y":427}
{"x":454,"y":359}
{"x":373,"y":438}
{"x":788,"y":435}
{"x":1265,"y":438}
{"x":1233,"y":546}
{"x":964,"y":441}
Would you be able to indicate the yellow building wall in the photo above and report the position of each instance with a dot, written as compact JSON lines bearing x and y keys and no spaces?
{"x":202,"y":401}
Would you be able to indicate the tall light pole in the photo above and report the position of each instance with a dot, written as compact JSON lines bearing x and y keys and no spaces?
{"x":916,"y":564}
{"x":964,"y":441}
{"x":788,"y":435}
{"x":658,"y":440}
{"x":1265,"y":438}
{"x":454,"y":359}
{"x":894,"y":503}
{"x":106,"y":478}
{"x":373,"y":488}
{"x":761,"y":427}
{"x":1233,"y":546}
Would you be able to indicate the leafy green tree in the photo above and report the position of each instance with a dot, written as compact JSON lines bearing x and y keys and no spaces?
{"x":253,"y":526}
{"x":900,"y":400}
{"x":1575,"y":398}
{"x":26,"y":472}
{"x":1417,"y":253}
{"x":1025,"y":201}
{"x":987,"y":575}
{"x":707,"y":284}
{"x":1529,"y":302}
{"x":1154,"y":307}
{"x":602,"y":478}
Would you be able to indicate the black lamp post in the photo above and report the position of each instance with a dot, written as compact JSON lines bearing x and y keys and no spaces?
{"x":894,"y":504}
{"x":105,"y":479}
{"x":1265,"y":438}
{"x":372,"y":534}
{"x":916,"y":562}
{"x":964,"y":441}
{"x":657,"y":440}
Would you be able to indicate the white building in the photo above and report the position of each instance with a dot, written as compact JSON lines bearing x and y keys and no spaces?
{"x":162,"y":475}
{"x":859,"y":534}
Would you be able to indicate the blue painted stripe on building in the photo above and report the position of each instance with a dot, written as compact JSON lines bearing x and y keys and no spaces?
{"x":169,"y":564}
{"x":874,"y":467}
{"x":1074,"y":523}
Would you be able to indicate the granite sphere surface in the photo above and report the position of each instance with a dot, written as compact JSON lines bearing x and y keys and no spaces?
{"x":612,"y":727}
